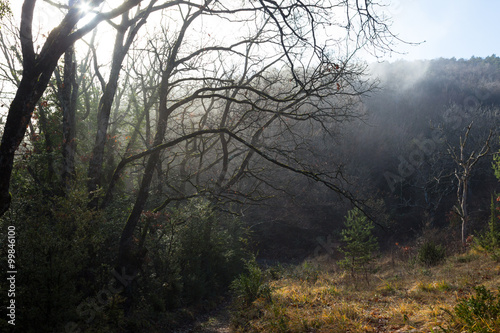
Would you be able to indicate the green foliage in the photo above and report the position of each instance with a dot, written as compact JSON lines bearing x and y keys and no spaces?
{"x":430,"y":254}
{"x":58,"y":247}
{"x":193,"y":255}
{"x":489,"y":240}
{"x":479,"y":313}
{"x":66,"y":253}
{"x":359,"y":242}
{"x":496,"y":165}
{"x":250,"y":285}
{"x":4,"y":8}
{"x":277,"y":271}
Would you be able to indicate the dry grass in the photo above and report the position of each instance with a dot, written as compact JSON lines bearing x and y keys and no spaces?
{"x":399,"y":297}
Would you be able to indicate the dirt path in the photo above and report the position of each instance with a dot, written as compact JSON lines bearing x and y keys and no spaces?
{"x":216,"y":321}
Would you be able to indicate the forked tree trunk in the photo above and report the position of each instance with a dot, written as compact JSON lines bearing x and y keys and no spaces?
{"x":463,"y":173}
{"x":121,"y":47}
{"x":105,"y":104}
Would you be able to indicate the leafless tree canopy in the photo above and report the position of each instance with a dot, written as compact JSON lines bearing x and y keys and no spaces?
{"x":208,"y":95}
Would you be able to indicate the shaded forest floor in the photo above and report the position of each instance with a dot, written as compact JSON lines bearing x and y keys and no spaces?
{"x":215,"y":321}
{"x":399,"y":296}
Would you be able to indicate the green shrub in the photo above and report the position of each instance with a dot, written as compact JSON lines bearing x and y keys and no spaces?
{"x":250,"y":285}
{"x":480,"y":313}
{"x":430,"y":254}
{"x":359,"y":243}
{"x":276,"y":272}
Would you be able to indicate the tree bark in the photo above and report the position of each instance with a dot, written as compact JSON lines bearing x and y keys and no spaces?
{"x":33,"y":84}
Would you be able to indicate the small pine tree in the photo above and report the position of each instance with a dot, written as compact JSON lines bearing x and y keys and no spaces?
{"x":493,"y":225}
{"x":489,"y":240}
{"x":359,"y":242}
{"x":496,"y":165}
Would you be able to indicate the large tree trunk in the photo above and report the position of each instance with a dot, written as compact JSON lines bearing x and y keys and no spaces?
{"x":31,"y":88}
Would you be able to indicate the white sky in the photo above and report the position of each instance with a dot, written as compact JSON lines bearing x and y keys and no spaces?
{"x":450,"y":28}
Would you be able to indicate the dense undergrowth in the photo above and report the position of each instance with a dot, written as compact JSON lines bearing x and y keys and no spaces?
{"x":66,"y":252}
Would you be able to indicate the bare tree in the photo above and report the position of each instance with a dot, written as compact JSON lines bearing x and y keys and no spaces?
{"x":234,"y":103}
{"x":464,"y":163}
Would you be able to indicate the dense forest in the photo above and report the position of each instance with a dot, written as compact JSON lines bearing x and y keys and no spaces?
{"x":142,"y":179}
{"x":397,"y":157}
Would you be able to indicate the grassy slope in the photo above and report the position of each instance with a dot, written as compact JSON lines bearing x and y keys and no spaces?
{"x":398,"y":297}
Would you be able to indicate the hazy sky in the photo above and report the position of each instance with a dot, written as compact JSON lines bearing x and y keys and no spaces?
{"x":451,"y":28}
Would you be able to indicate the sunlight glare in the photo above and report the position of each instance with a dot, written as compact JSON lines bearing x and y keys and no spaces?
{"x":85,"y":8}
